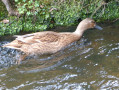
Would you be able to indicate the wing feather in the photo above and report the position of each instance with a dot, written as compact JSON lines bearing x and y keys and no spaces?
{"x":44,"y":37}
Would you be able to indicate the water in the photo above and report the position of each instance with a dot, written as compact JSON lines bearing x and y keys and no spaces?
{"x":89,"y":64}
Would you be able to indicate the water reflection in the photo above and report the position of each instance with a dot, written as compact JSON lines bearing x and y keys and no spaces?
{"x":91,"y":63}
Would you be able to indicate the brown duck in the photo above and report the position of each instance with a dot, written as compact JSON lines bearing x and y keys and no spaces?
{"x":48,"y":42}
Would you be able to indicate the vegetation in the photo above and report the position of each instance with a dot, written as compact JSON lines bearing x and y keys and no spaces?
{"x":38,"y":15}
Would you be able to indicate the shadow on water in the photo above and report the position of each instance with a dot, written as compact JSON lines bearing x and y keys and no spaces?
{"x":90,"y":63}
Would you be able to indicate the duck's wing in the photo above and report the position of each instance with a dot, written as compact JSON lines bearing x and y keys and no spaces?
{"x":41,"y":37}
{"x":24,"y":38}
{"x":28,"y":39}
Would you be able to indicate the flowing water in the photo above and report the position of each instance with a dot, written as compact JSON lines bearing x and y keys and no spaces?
{"x":89,"y":64}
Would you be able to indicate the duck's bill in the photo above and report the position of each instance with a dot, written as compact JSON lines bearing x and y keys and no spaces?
{"x":98,"y":27}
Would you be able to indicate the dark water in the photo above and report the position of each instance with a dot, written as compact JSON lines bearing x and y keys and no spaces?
{"x":89,"y":64}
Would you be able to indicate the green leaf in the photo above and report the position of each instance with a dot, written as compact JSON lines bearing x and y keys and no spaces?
{"x":46,"y":16}
{"x":30,"y":7}
{"x":36,"y":5}
{"x":24,"y":0}
{"x":16,"y":0}
{"x":28,"y":13}
{"x":30,"y":2}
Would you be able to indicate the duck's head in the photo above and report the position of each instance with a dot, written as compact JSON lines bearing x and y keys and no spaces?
{"x":85,"y":24}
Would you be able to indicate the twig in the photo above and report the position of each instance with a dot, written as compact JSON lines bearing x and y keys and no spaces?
{"x":115,"y":20}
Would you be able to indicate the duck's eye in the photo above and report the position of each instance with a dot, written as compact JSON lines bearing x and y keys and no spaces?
{"x":92,"y":21}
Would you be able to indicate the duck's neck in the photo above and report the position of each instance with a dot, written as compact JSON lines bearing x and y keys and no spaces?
{"x":79,"y":30}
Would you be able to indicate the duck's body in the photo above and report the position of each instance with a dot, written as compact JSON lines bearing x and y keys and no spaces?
{"x":49,"y":41}
{"x":43,"y":42}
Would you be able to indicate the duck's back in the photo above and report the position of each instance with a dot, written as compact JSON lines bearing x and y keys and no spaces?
{"x":43,"y":42}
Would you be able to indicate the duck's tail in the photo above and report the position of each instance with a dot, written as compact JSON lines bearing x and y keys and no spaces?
{"x":10,"y":46}
{"x":13,"y":44}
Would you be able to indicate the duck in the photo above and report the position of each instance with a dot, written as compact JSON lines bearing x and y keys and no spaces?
{"x":49,"y":42}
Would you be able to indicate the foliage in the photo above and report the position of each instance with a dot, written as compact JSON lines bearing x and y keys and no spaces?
{"x":38,"y":15}
{"x":3,"y":11}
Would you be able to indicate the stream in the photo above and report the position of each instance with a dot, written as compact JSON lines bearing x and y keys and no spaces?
{"x":91,"y":63}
